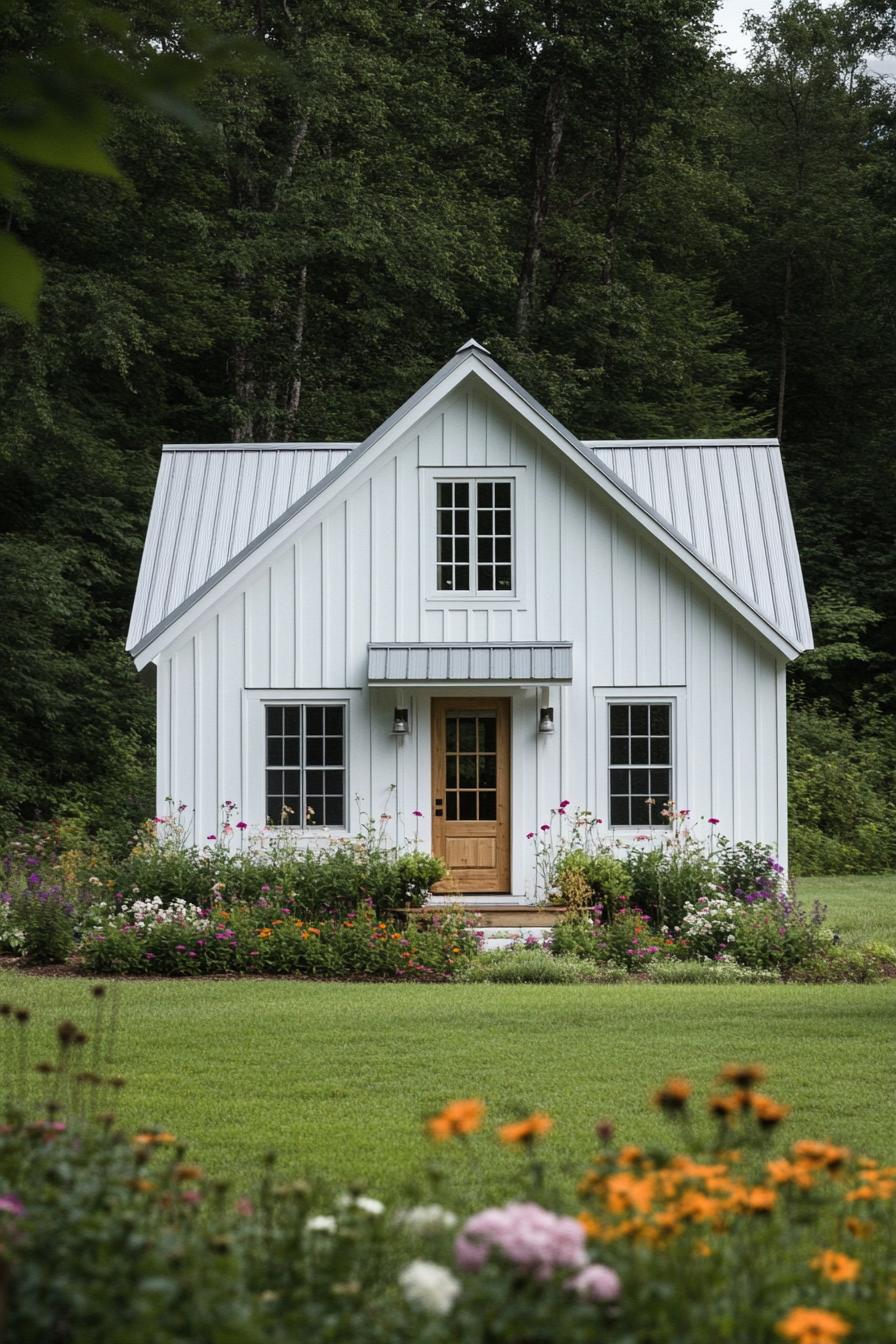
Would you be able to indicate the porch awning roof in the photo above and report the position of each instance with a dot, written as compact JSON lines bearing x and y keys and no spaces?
{"x":388,"y":664}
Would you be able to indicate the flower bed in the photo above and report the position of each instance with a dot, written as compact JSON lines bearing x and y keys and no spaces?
{"x":732,"y":1231}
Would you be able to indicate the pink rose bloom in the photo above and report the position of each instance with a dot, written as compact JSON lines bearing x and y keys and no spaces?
{"x":595,"y":1283}
{"x":526,"y":1235}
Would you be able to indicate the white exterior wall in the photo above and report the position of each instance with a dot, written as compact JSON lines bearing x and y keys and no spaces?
{"x":361,"y":569}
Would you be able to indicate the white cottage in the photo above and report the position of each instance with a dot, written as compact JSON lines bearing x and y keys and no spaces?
{"x":472,"y":615}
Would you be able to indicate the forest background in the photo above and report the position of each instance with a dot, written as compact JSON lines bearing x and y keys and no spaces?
{"x":653,"y":241}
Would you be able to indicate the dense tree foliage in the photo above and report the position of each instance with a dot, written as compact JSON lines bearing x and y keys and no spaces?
{"x":652,"y":241}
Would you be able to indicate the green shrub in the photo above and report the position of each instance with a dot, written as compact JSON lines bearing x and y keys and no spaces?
{"x":533,"y":966}
{"x":668,"y":878}
{"x":626,"y":941}
{"x":708,"y":973}
{"x":47,"y":925}
{"x":841,"y":779}
{"x":747,"y":867}
{"x":606,"y":879}
{"x":832,"y":964}
{"x":776,"y":935}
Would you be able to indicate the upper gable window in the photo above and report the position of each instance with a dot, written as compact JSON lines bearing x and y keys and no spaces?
{"x":474,"y":536}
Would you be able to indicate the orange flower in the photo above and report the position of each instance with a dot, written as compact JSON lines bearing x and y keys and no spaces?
{"x":836,"y":1266}
{"x":673,"y":1095}
{"x":818,"y":1154}
{"x":456,"y":1119}
{"x":142,"y":1184}
{"x":742,"y":1075}
{"x":784,"y":1172}
{"x":810,"y":1325}
{"x":186,"y":1171}
{"x":767,"y":1111}
{"x":264,"y":933}
{"x":526,"y":1131}
{"x":592,"y":1227}
{"x":758,"y":1200}
{"x":723,"y":1107}
{"x":276,"y":921}
{"x":862,"y":1228}
{"x":312,"y":929}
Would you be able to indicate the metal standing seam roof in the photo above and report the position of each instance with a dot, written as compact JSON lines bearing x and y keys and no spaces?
{"x":170,"y":579}
{"x":469,"y":662}
{"x":211,"y":501}
{"x":728,"y":499}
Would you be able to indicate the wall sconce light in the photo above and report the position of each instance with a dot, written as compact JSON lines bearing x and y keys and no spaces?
{"x":546,"y":719}
{"x":400,"y":723}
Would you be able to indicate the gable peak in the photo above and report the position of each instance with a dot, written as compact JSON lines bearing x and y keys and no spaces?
{"x":472,"y":345}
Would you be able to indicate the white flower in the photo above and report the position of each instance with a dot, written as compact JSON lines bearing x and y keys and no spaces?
{"x":425,"y":1218}
{"x":323,"y":1222}
{"x":362,"y":1202}
{"x":429,"y":1286}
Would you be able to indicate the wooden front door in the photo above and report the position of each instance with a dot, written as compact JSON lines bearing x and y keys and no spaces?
{"x":471,"y":793}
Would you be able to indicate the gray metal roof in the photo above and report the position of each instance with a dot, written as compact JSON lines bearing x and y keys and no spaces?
{"x":170,"y":584}
{"x":411,"y":663}
{"x":728,"y":499}
{"x":211,"y":501}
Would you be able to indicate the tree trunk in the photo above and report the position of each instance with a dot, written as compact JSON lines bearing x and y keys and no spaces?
{"x":782,"y":358}
{"x":294,"y":387}
{"x":547,"y":159}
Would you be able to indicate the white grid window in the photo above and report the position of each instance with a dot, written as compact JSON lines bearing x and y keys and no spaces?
{"x":305,"y":765}
{"x":474,"y":536}
{"x":640,"y":764}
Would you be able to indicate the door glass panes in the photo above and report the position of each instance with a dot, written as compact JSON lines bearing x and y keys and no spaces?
{"x":474,"y":536}
{"x":305,"y":765}
{"x":640,"y":764}
{"x":471,"y":766}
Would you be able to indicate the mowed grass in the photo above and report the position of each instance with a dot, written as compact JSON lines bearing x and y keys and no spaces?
{"x":861,"y":909}
{"x":337,"y":1077}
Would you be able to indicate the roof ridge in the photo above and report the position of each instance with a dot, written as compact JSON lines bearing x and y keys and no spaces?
{"x":719,"y":442}
{"x":311,"y":446}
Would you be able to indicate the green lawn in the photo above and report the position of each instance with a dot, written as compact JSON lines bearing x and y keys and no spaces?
{"x":861,"y":909}
{"x":336,"y":1078}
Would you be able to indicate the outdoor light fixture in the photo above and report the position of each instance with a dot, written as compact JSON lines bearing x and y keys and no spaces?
{"x":546,"y":719}
{"x":400,"y":724}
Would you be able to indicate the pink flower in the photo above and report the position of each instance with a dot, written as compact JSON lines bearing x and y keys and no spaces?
{"x":244,"y":1207}
{"x":211,"y":837}
{"x":242,"y":825}
{"x":160,"y":821}
{"x":416,"y":813}
{"x":11,"y":1204}
{"x":190,"y":1197}
{"x":565,"y":803}
{"x":600,"y":821}
{"x":228,"y":829}
{"x":713,"y":821}
{"x":561,"y":812}
{"x":525,"y":1234}
{"x":596,"y":1283}
{"x":545,"y":827}
{"x":530,"y":835}
{"x":642,"y":837}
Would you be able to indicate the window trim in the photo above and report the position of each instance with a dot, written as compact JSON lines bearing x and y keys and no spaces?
{"x":254,"y":752}
{"x":474,"y":478}
{"x":675,"y":698}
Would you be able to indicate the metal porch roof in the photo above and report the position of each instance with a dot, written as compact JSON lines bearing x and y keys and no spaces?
{"x":411,"y":663}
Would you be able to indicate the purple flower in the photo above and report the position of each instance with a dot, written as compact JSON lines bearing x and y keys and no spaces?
{"x":596,"y":1283}
{"x":11,"y":1204}
{"x":150,"y":956}
{"x":525,"y":1234}
{"x":265,"y":888}
{"x":33,"y":879}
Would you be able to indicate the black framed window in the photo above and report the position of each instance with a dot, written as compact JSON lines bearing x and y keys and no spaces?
{"x":474,"y":536}
{"x":640,"y":764}
{"x":305,"y":765}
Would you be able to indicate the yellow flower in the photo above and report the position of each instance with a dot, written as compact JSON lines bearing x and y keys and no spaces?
{"x":810,"y":1325}
{"x":836,"y":1266}
{"x":264,"y":933}
{"x":526,"y":1131}
{"x":784,"y":1172}
{"x":767,"y":1111}
{"x":457,"y":1118}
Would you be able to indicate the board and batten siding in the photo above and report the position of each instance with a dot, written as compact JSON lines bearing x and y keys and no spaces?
{"x":361,"y":569}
